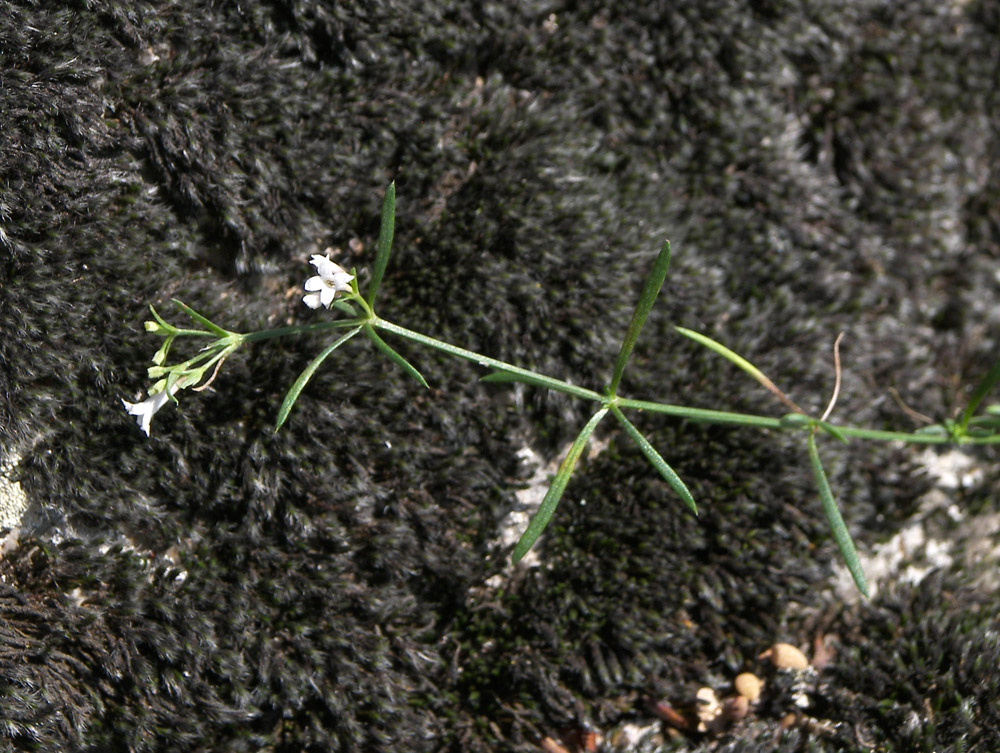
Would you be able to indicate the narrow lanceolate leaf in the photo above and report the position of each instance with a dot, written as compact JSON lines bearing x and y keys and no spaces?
{"x":393,"y":355}
{"x":541,"y":520}
{"x":306,"y":375}
{"x":668,"y":473}
{"x":987,"y":421}
{"x":837,"y":526}
{"x":385,"y":234}
{"x":984,"y":386}
{"x":741,"y":362}
{"x":833,"y":431}
{"x":345,"y":307}
{"x":159,"y":319}
{"x":502,"y":376}
{"x":201,"y":319}
{"x":646,"y":300}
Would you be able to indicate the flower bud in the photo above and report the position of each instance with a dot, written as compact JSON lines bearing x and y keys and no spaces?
{"x":795,"y":420}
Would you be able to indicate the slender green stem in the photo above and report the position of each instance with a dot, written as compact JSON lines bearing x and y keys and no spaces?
{"x":193,"y":333}
{"x":889,"y":436}
{"x":913,"y":437}
{"x":702,"y":414}
{"x":680,"y":411}
{"x":486,"y":362}
{"x":357,"y":298}
{"x":204,"y":359}
{"x":763,"y":422}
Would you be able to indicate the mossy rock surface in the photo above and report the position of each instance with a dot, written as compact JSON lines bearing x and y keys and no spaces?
{"x":340,"y":585}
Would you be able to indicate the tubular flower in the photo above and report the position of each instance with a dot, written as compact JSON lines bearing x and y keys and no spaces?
{"x":145,"y":410}
{"x":324,"y":286}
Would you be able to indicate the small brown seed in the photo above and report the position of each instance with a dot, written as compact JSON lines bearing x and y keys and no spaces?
{"x":737,"y":708}
{"x":785,"y":656}
{"x":670,"y":715}
{"x":551,"y":746}
{"x":748,"y":685}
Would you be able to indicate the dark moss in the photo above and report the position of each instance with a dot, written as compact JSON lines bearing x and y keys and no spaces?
{"x":818,"y":168}
{"x":916,"y":677}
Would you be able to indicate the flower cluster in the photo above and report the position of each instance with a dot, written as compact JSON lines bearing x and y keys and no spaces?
{"x":173,"y":379}
{"x":321,"y":290}
{"x":330,"y":280}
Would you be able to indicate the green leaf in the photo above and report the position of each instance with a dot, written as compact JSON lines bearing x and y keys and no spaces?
{"x":668,"y":473}
{"x":398,"y":359}
{"x":506,"y":377}
{"x":345,"y":307}
{"x":159,"y":320}
{"x":201,"y":319}
{"x":988,"y":420}
{"x":981,"y":432}
{"x":646,"y":300}
{"x":726,"y":353}
{"x":833,"y":431}
{"x":385,"y":235}
{"x":306,"y":375}
{"x":742,"y":363}
{"x":840,"y":533}
{"x":541,"y":520}
{"x":984,"y":386}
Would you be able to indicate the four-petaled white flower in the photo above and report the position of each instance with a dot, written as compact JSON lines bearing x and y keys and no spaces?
{"x":145,"y":410}
{"x":323,"y":288}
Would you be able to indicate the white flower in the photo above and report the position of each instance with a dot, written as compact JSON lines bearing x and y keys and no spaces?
{"x":323,"y":288}
{"x":145,"y":410}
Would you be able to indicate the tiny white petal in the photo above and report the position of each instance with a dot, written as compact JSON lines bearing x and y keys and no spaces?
{"x":145,"y":410}
{"x":330,"y":280}
{"x":342,"y":280}
{"x":324,"y":266}
{"x":327,"y":269}
{"x":319,"y":262}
